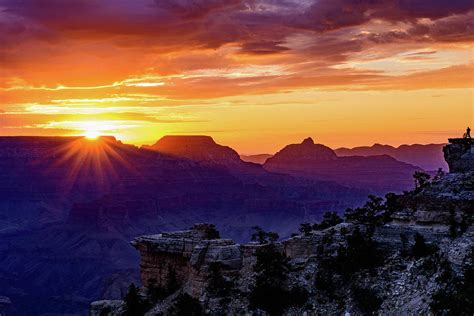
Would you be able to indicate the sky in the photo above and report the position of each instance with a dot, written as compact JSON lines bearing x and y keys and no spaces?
{"x":254,"y":74}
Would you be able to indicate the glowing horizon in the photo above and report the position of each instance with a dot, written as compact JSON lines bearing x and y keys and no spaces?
{"x":254,"y":75}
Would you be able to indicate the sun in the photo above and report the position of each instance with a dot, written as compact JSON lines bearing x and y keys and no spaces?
{"x":92,"y":134}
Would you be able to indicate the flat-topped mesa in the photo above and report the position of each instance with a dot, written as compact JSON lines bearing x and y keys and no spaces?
{"x":195,"y":147}
{"x":187,"y":254}
{"x":459,"y":154}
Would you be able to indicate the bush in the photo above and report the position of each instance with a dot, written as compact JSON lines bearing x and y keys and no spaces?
{"x":269,"y":293}
{"x":421,"y":179}
{"x":185,"y":305}
{"x":155,"y":293}
{"x":134,"y":304}
{"x":367,"y":300}
{"x":217,"y":285}
{"x":211,"y":232}
{"x":269,"y":297}
{"x":360,"y":253}
{"x":330,"y":219}
{"x":305,"y":228}
{"x":370,"y":213}
{"x":263,"y":237}
{"x":420,"y":249}
{"x":456,"y":298}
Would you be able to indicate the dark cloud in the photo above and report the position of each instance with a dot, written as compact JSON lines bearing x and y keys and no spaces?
{"x":259,"y":25}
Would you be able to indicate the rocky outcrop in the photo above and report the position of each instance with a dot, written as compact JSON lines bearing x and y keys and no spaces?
{"x":381,"y":174}
{"x":188,"y":255}
{"x":459,"y":154}
{"x":69,"y":206}
{"x":195,"y":147}
{"x":107,"y":307}
{"x":401,"y":281}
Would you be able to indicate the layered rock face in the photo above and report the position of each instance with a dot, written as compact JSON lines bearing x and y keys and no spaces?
{"x":381,"y":174}
{"x":69,"y":207}
{"x":400,"y":279}
{"x":459,"y":154}
{"x":188,"y":255}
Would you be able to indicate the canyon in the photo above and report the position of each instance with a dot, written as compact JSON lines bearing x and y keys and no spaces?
{"x":414,"y":254}
{"x":70,"y":206}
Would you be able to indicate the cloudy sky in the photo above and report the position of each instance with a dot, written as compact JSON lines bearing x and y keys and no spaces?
{"x":254,"y":74}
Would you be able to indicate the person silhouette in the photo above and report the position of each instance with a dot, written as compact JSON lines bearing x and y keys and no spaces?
{"x":468,"y":132}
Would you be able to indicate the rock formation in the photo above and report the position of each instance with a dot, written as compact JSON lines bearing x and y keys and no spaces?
{"x":195,"y":147}
{"x":69,"y":207}
{"x":381,"y":174}
{"x":428,"y":157}
{"x":412,"y":253}
{"x":259,"y":159}
{"x":459,"y":154}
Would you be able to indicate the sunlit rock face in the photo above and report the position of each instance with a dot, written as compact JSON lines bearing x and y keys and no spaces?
{"x":381,"y":174}
{"x":459,"y":154}
{"x":199,"y":148}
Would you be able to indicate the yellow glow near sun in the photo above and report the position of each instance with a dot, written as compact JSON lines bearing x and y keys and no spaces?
{"x":92,"y":134}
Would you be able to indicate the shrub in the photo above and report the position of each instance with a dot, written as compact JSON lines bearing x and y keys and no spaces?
{"x":367,"y":300}
{"x":134,"y":304}
{"x":269,"y":293}
{"x":211,"y":232}
{"x":421,"y":179}
{"x":155,"y":293}
{"x":263,"y":237}
{"x":185,"y":305}
{"x":330,"y":219}
{"x":305,"y":228}
{"x":370,"y":213}
{"x":420,"y":249}
{"x":456,"y":297}
{"x":360,"y":253}
{"x":217,"y":285}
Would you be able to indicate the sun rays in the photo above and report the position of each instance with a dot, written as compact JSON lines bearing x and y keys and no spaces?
{"x":92,"y":163}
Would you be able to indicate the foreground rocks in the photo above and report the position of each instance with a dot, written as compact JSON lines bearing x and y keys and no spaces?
{"x":398,"y":282}
{"x":409,"y":254}
{"x":459,"y":154}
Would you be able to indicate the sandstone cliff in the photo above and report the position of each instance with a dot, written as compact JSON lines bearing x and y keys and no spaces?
{"x":405,"y":255}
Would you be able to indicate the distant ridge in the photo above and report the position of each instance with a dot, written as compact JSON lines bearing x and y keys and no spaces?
{"x":259,"y":159}
{"x":380,"y":173}
{"x":428,"y":157}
